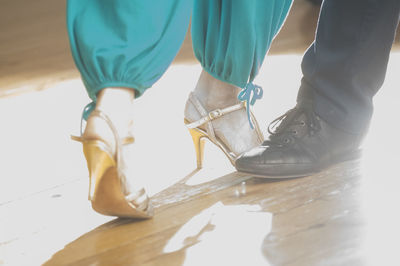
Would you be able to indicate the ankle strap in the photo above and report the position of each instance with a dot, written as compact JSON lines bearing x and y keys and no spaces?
{"x":110,"y":124}
{"x":87,"y":111}
{"x":217,"y":113}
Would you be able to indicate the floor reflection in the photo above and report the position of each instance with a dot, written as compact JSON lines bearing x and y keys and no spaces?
{"x":381,"y":199}
{"x":223,"y":235}
{"x":321,"y":225}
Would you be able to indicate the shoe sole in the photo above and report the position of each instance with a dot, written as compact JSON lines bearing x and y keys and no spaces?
{"x":355,"y":155}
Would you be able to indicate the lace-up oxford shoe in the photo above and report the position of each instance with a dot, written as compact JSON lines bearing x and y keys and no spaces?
{"x":300,"y":144}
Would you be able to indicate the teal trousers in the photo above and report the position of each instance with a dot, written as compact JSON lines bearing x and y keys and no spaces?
{"x":131,"y":43}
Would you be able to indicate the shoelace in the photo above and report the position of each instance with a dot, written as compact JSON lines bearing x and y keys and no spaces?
{"x":283,"y":125}
{"x":250,"y":94}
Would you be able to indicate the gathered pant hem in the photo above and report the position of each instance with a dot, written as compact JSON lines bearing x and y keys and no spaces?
{"x":139,"y":90}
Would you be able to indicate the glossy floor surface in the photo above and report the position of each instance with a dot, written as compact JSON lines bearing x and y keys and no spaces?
{"x":345,"y":215}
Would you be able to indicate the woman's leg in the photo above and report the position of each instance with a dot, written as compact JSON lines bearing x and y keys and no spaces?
{"x":125,"y":43}
{"x":121,"y":48}
{"x":231,"y":39}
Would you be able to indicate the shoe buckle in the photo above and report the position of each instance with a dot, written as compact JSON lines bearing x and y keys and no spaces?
{"x":215,"y":114}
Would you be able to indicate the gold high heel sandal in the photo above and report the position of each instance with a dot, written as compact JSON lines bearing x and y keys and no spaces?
{"x":107,"y":182}
{"x":207,"y":132}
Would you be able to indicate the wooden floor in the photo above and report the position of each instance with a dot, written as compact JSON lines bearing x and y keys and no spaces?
{"x":346,"y":215}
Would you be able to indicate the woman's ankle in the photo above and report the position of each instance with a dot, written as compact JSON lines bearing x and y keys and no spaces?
{"x":116,"y":103}
{"x":112,"y":99}
{"x":214,"y":93}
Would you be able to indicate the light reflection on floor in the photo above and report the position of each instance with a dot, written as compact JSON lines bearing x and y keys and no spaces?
{"x":380,"y":171}
{"x":380,"y":201}
{"x":239,"y":229}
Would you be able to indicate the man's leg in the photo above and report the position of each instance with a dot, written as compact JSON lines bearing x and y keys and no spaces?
{"x":346,"y":64}
{"x":343,"y":70}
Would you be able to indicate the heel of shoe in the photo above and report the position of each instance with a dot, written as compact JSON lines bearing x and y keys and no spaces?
{"x":198,"y":141}
{"x":105,"y":186}
{"x":98,"y":162}
{"x":108,"y":188}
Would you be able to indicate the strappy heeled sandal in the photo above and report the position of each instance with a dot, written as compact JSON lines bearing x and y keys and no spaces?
{"x":203,"y":129}
{"x":108,"y":191}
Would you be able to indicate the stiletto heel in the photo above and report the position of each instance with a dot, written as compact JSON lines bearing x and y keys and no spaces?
{"x":108,"y":193}
{"x":98,"y":162}
{"x":198,"y":141}
{"x":203,"y":128}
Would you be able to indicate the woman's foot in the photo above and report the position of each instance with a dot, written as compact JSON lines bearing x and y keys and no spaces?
{"x":111,"y":125}
{"x":232,"y":129}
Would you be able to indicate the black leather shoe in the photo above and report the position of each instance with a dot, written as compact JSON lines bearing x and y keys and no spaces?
{"x":300,"y":144}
